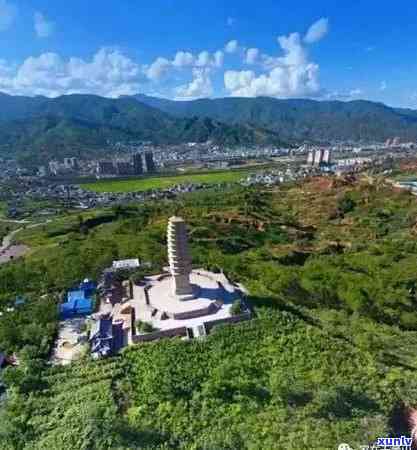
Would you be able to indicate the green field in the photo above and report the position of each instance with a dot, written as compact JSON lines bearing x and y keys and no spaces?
{"x":3,"y":208}
{"x":164,"y":182}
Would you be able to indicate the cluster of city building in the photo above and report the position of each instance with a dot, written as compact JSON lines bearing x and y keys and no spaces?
{"x":150,"y":158}
{"x":319,"y":156}
{"x":68,"y":165}
{"x":137,"y":158}
{"x":138,"y":164}
{"x":74,"y":196}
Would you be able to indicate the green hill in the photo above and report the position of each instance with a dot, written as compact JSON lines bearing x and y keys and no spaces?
{"x":330,"y":356}
{"x":301,"y":118}
{"x":39,"y":128}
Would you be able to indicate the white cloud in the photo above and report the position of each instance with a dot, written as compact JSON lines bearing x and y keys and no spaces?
{"x":252,"y":55}
{"x":199,"y":86}
{"x":109,"y":73}
{"x":383,"y":86}
{"x":8,"y":13}
{"x":344,"y":95}
{"x":158,"y":69}
{"x":218,"y":58}
{"x":203,"y":59}
{"x":231,"y":46}
{"x":183,"y":59}
{"x":317,"y":31}
{"x":295,"y":53}
{"x":236,"y":80}
{"x":43,"y":27}
{"x":289,"y":75}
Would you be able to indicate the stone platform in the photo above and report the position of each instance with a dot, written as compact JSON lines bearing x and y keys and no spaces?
{"x":208,"y":297}
{"x":155,"y":302}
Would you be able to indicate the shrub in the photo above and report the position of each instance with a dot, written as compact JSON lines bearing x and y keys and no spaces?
{"x":346,"y":204}
{"x":144,"y":327}
{"x":237,"y":307}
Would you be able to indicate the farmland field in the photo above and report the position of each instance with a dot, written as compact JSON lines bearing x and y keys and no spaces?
{"x":164,"y":182}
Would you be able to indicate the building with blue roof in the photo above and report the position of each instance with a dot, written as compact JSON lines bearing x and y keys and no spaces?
{"x":79,"y":301}
{"x":89,"y":287}
{"x":76,"y":295}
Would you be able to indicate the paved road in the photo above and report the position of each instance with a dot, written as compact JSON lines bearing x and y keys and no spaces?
{"x":7,"y":240}
{"x":15,"y":221}
{"x":8,"y":251}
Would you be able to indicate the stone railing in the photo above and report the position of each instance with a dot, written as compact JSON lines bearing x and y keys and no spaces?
{"x":174,"y":332}
{"x":233,"y":319}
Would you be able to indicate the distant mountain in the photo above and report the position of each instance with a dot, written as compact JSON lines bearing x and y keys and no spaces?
{"x":39,"y":128}
{"x":300,"y":119}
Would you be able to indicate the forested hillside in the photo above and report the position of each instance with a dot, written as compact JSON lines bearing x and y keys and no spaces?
{"x":39,"y":128}
{"x":330,"y":356}
{"x":299,"y":119}
{"x":81,"y":125}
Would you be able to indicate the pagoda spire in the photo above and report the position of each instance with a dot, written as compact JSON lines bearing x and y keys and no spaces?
{"x":179,"y":258}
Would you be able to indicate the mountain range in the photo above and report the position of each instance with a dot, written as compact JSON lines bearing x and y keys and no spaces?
{"x":40,"y":128}
{"x":301,"y":119}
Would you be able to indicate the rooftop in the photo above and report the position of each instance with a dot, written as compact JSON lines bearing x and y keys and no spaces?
{"x":126,"y":264}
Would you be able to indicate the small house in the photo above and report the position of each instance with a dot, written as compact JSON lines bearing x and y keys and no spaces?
{"x":106,"y":337}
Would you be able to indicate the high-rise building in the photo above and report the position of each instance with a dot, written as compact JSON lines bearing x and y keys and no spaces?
{"x":53,"y":167}
{"x":137,"y":164}
{"x":148,"y":162}
{"x":105,"y":168}
{"x":70,"y":163}
{"x":310,"y":157}
{"x":124,"y":168}
{"x":327,"y":156}
{"x":74,"y":162}
{"x":318,"y":157}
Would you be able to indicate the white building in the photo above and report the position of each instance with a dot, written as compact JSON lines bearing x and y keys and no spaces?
{"x":126,"y":264}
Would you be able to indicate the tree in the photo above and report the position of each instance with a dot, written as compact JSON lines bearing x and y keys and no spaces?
{"x":345,"y":205}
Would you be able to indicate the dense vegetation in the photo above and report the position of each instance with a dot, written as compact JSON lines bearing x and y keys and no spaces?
{"x":75,"y":125}
{"x":301,"y":118}
{"x":330,"y":358}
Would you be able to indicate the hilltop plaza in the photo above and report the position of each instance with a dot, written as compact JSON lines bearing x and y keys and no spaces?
{"x":183,"y":298}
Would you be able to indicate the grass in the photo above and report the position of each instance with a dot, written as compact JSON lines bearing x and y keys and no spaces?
{"x":3,"y":208}
{"x":6,"y":228}
{"x":164,"y":182}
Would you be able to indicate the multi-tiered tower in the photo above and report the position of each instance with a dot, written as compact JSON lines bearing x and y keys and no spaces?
{"x":179,"y":258}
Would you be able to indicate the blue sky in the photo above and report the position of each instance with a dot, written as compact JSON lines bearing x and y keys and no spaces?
{"x":188,"y":49}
